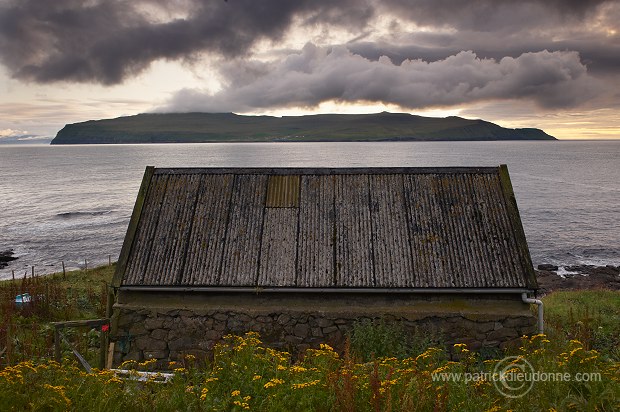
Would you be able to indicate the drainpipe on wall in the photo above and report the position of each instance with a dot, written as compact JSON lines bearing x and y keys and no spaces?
{"x":539,"y":303}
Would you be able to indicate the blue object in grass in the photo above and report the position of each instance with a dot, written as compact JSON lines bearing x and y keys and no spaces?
{"x":22,"y":299}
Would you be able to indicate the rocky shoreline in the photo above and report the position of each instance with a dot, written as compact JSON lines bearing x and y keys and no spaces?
{"x":577,"y":277}
{"x":6,"y":256}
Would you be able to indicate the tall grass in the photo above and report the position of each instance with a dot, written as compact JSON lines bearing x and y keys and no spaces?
{"x":247,"y":375}
{"x":382,"y":368}
{"x":25,"y":329}
{"x":592,"y":317}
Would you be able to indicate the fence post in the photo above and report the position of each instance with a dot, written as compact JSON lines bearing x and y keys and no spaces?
{"x":102,"y":347}
{"x":64,"y":273}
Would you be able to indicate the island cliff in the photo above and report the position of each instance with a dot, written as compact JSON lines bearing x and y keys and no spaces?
{"x":230,"y":127}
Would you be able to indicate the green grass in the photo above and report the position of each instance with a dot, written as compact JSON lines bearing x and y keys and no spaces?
{"x":382,"y":370}
{"x":26,"y":332}
{"x":229,"y":127}
{"x":590,"y":316}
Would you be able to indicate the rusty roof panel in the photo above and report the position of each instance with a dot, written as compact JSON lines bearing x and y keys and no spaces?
{"x":385,"y":228}
{"x":283,"y":191}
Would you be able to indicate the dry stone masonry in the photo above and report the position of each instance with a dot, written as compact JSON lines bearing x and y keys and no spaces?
{"x":169,"y":334}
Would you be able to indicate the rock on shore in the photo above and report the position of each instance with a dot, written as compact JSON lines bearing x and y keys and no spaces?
{"x":580,"y":277}
{"x":6,"y":257}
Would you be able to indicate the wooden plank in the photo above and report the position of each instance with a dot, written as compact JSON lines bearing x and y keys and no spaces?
{"x":77,"y":323}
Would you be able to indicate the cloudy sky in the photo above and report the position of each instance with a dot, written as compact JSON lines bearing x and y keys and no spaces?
{"x":553,"y":64}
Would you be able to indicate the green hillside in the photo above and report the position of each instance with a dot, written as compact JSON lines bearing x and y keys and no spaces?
{"x":230,"y":127}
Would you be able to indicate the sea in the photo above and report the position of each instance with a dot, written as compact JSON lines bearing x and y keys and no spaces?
{"x":72,"y":204}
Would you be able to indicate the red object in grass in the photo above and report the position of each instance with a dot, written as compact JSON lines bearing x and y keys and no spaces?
{"x":105,"y":328}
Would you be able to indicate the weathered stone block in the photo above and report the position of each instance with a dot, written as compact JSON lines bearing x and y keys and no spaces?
{"x":502,"y":334}
{"x":138,"y":329}
{"x":324,"y":323}
{"x":283,"y":319}
{"x":242,"y":317}
{"x":146,"y":343}
{"x":317,"y":332}
{"x":293,"y":339}
{"x":181,"y":343}
{"x":153,"y":323}
{"x":171,"y":323}
{"x":212,"y":334}
{"x":235,"y":325}
{"x":517,"y":322}
{"x":301,"y":330}
{"x":161,"y":334}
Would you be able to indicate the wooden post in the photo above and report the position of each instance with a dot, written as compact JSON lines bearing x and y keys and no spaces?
{"x":64,"y":273}
{"x":57,"y":344}
{"x":32,"y":272}
{"x":110,"y":359}
{"x":85,"y":265}
{"x":13,"y":274}
{"x":102,"y":347}
{"x":109,"y":260}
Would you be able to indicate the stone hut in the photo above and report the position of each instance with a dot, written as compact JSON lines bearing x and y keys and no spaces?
{"x":300,"y":254}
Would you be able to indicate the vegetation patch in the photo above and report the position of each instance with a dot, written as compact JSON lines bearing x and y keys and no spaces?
{"x":382,"y":369}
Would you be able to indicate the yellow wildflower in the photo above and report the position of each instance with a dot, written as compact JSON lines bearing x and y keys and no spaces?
{"x":273,"y":382}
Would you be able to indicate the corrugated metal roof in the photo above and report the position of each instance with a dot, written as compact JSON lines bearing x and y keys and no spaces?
{"x":307,"y":228}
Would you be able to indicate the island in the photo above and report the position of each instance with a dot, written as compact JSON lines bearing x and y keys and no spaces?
{"x":231,"y":127}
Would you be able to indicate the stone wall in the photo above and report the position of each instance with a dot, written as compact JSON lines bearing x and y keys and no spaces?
{"x":166,"y":331}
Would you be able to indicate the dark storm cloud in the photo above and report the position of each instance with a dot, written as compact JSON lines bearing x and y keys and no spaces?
{"x":601,"y":54}
{"x":108,"y":41}
{"x":555,"y":53}
{"x":491,"y":15}
{"x":315,"y":75}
